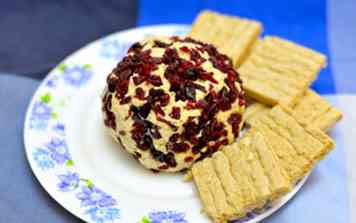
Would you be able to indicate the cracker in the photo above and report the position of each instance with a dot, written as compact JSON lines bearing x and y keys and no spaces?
{"x":232,"y":35}
{"x":311,"y":108}
{"x":308,"y":141}
{"x":254,"y":111}
{"x":295,"y":165}
{"x":279,"y":71}
{"x":241,"y":175}
{"x":206,"y":195}
{"x":231,"y":187}
{"x":278,"y":181}
{"x":255,"y":170}
{"x":273,"y":155}
{"x":204,"y":171}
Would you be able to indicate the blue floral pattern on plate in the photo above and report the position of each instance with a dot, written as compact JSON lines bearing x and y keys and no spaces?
{"x":68,"y":182}
{"x":59,"y":150}
{"x":43,"y":159}
{"x":40,"y":115}
{"x":90,"y":196}
{"x":76,"y":75}
{"x":101,"y":215}
{"x":114,"y":49}
{"x":164,"y":217}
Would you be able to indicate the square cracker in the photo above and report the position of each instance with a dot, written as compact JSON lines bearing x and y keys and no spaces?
{"x":308,"y":141}
{"x":275,"y":153}
{"x":311,"y":108}
{"x":279,"y":71}
{"x":231,"y":35}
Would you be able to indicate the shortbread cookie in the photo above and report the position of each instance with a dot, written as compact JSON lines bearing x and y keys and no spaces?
{"x":311,"y":108}
{"x":268,"y":160}
{"x":279,"y":71}
{"x":254,"y":111}
{"x":232,"y":35}
{"x":307,"y":140}
{"x":211,"y":191}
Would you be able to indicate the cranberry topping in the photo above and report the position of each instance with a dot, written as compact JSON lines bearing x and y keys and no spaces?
{"x":188,"y":159}
{"x":125,"y":100}
{"x":136,"y":47}
{"x":140,"y":93}
{"x":155,"y":80}
{"x":109,"y":120}
{"x":175,"y":114}
{"x":235,"y":120}
{"x":161,"y":44}
{"x":158,"y":110}
{"x":183,"y":76}
{"x":173,"y":127}
{"x":163,"y":167}
{"x":174,"y":137}
{"x":180,"y":147}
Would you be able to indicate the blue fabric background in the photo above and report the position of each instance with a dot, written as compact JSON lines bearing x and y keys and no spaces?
{"x":36,"y":35}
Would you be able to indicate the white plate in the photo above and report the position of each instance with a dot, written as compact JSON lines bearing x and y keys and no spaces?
{"x":81,"y":167}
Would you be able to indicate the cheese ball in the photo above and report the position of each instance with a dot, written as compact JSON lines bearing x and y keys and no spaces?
{"x":172,"y":101}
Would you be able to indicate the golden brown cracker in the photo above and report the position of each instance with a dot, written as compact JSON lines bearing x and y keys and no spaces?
{"x":206,"y":173}
{"x":311,"y":108}
{"x":278,"y":180}
{"x":254,"y":111}
{"x":278,"y":71}
{"x":232,"y":188}
{"x":232,"y":35}
{"x":308,"y":141}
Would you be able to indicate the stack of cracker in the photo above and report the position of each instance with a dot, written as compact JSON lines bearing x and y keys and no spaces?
{"x":287,"y":121}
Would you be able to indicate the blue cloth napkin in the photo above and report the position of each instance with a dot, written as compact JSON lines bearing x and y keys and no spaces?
{"x":22,"y":198}
{"x":37,"y":35}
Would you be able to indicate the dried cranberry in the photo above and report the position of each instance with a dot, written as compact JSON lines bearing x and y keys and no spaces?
{"x":158,"y":110}
{"x":191,"y":74}
{"x":155,"y":80}
{"x":139,"y":79}
{"x":175,"y":114}
{"x":180,"y":147}
{"x":163,"y":167}
{"x":208,"y":77}
{"x":184,"y":49}
{"x":125,"y":100}
{"x":234,"y":120}
{"x":135,"y":47}
{"x":161,"y":44}
{"x":172,"y":126}
{"x":170,"y":160}
{"x":140,"y":93}
{"x":158,"y":155}
{"x":188,"y":159}
{"x":145,"y":110}
{"x":174,"y":137}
